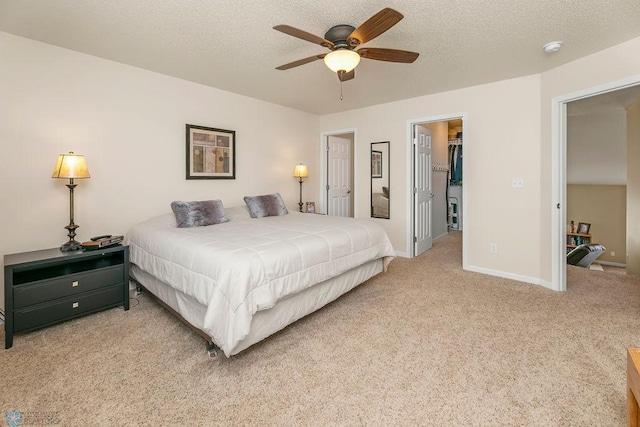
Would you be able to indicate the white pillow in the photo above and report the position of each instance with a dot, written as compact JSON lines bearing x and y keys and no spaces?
{"x":237,"y":212}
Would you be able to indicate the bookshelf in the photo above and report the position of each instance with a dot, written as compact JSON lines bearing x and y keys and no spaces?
{"x":577,"y":239}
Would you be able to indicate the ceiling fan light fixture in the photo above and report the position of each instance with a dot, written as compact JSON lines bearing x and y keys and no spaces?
{"x":342,"y":60}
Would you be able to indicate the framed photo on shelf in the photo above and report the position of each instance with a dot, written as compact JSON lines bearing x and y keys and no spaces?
{"x":583,"y":228}
{"x":310,"y":207}
{"x":211,"y":153}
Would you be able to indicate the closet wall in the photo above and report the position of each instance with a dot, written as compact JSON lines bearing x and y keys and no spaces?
{"x":444,"y":216}
{"x":454,"y":156}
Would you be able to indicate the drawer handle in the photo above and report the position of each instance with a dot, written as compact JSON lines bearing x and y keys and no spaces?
{"x":75,"y":305}
{"x":74,"y":283}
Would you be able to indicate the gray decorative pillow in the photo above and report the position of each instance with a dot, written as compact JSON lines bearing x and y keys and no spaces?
{"x":266,"y":205}
{"x":198,"y":214}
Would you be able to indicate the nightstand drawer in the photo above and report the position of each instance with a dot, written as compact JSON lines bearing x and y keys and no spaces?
{"x":67,"y":308}
{"x":47,"y":290}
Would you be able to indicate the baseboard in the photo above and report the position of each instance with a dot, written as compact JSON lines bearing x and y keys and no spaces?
{"x":511,"y":276}
{"x":613,"y":264}
{"x":440,"y":236}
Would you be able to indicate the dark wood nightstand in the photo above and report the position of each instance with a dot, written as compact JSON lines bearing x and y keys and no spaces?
{"x":45,"y":287}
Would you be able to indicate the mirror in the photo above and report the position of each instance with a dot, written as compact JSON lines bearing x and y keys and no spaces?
{"x":380,"y":180}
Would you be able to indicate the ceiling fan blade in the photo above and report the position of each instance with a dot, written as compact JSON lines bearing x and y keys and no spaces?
{"x":300,"y":62}
{"x":391,"y":55}
{"x":287,"y":29}
{"x":346,"y":76}
{"x":374,"y":26}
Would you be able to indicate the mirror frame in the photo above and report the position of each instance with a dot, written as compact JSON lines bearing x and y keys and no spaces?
{"x":380,"y":172}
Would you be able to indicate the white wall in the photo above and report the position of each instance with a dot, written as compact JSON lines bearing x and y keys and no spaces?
{"x":130,"y":125}
{"x":597,"y":148}
{"x":502,"y":141}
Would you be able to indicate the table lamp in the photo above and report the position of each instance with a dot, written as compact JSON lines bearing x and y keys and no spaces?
{"x":71,"y":166}
{"x":300,"y":172}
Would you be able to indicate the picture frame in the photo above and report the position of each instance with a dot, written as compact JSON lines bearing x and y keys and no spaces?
{"x":583,"y":228}
{"x":376,"y":164}
{"x":210,"y":152}
{"x":310,"y":207}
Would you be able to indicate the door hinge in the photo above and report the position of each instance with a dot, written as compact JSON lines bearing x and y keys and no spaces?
{"x":327,"y":147}
{"x":415,"y":239}
{"x":415,"y":190}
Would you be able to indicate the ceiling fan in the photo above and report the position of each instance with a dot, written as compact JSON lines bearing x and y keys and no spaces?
{"x":343,"y":40}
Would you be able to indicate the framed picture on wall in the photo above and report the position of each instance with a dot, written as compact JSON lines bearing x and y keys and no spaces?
{"x":376,"y":164}
{"x":211,"y":153}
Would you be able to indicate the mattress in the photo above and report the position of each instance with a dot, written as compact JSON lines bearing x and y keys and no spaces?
{"x":247,"y":265}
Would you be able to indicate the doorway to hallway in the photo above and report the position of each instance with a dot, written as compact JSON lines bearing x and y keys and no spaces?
{"x":338,"y":185}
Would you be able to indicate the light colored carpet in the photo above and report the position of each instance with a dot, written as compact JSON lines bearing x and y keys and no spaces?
{"x":614,"y":269}
{"x":424,"y":344}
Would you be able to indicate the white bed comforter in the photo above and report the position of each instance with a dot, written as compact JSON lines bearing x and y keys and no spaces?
{"x":246,"y":265}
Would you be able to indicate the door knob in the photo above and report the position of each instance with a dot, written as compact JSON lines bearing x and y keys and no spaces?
{"x":348,"y":191}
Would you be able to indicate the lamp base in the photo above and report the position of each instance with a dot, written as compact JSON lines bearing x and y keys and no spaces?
{"x":70,"y":246}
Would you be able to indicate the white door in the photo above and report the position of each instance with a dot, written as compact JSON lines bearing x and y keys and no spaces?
{"x":422,"y":191}
{"x":338,"y":176}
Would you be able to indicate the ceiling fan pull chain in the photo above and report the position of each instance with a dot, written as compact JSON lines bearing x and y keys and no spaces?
{"x":340,"y":90}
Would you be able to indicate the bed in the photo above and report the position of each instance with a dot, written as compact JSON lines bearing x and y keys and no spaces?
{"x":240,"y":281}
{"x":379,"y":206}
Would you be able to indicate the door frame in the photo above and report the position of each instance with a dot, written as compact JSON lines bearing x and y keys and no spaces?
{"x":559,"y":173}
{"x":323,"y":168}
{"x":410,"y":173}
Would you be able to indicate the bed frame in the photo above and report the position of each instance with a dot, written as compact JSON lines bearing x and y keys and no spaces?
{"x":264,"y":323}
{"x":212,"y":350}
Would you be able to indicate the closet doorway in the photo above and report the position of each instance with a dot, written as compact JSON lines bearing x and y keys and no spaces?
{"x":437,"y":174}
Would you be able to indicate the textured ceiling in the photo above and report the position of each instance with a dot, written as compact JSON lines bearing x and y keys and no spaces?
{"x":231,"y":45}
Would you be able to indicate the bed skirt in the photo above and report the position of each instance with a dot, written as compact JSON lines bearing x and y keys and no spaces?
{"x":265,"y":322}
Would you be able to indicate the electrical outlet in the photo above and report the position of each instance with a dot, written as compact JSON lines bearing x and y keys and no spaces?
{"x":613,"y":253}
{"x":493,"y":248}
{"x":517,"y":182}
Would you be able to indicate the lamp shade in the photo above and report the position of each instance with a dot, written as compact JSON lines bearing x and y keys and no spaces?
{"x":70,"y":166}
{"x":300,"y":171}
{"x":342,"y":60}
